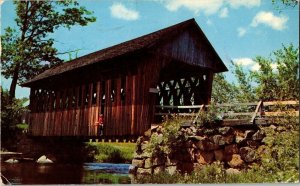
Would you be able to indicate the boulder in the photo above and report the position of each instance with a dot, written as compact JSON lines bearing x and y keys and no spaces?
{"x":171,"y":162}
{"x":142,"y":171}
{"x":206,"y":145}
{"x":231,"y":149}
{"x":208,"y":131}
{"x":232,"y":171}
{"x":147,"y":134}
{"x":158,"y":161}
{"x":204,"y":157}
{"x":148,"y":163}
{"x":194,"y":130}
{"x":139,"y":163}
{"x":259,"y":135}
{"x":239,"y":139}
{"x":185,"y":167}
{"x":158,"y":169}
{"x":219,"y":154}
{"x":248,"y":154}
{"x":228,"y":139}
{"x":144,"y":145}
{"x":196,"y":138}
{"x":217,"y":139}
{"x":249,"y":133}
{"x":171,"y":169}
{"x":44,"y":159}
{"x":225,"y":130}
{"x":132,"y":169}
{"x":236,"y":161}
{"x":253,"y":144}
{"x":12,"y":160}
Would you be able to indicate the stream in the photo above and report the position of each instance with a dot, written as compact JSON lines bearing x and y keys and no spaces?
{"x":86,"y":173}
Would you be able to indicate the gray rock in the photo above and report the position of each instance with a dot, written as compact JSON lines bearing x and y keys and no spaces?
{"x":44,"y":159}
{"x":11,"y":160}
{"x":225,"y":130}
{"x":231,"y":149}
{"x":132,"y":169}
{"x":196,"y":138}
{"x":232,"y":171}
{"x":218,"y":140}
{"x":158,"y":161}
{"x":148,"y":163}
{"x":206,"y":145}
{"x":158,"y":169}
{"x":248,"y":154}
{"x":194,"y":130}
{"x":259,"y":135}
{"x":144,"y":145}
{"x":171,"y":162}
{"x":249,"y":133}
{"x":138,"y":163}
{"x":171,"y":170}
{"x":142,"y":171}
{"x":239,"y":139}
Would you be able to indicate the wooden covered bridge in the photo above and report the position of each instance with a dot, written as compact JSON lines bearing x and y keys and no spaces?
{"x":173,"y":66}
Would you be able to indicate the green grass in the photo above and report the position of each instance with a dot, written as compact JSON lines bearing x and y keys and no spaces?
{"x":110,"y":152}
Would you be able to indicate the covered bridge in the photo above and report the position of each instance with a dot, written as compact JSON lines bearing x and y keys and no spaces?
{"x":172,"y":66}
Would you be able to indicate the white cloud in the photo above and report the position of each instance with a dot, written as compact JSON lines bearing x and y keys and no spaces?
{"x":274,"y":66}
{"x":1,"y":2}
{"x":255,"y":67}
{"x":245,"y":3}
{"x":243,"y":61}
{"x":224,"y":12}
{"x":241,"y":31}
{"x":208,"y":7}
{"x":269,"y":19}
{"x":119,"y":11}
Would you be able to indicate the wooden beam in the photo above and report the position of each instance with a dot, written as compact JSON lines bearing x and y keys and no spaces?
{"x":258,"y":107}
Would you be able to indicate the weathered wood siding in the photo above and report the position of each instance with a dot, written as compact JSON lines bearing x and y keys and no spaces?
{"x":189,"y":48}
{"x":124,"y":100}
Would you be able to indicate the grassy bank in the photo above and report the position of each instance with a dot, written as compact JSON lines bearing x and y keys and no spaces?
{"x":110,"y":152}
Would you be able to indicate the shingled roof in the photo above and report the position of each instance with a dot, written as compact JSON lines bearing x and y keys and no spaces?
{"x":121,"y":49}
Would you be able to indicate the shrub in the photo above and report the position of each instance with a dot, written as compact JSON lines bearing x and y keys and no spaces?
{"x":110,"y":152}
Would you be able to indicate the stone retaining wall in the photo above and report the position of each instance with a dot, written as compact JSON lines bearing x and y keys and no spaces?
{"x":237,"y":147}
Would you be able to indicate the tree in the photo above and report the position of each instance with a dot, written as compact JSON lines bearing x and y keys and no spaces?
{"x":244,"y":88}
{"x":11,"y":111}
{"x":28,"y":50}
{"x":222,"y":90}
{"x":280,"y":84}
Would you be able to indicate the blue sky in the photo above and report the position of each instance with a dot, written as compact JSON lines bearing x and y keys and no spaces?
{"x":239,"y":30}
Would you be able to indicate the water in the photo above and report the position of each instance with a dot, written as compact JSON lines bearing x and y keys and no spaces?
{"x":87,"y":173}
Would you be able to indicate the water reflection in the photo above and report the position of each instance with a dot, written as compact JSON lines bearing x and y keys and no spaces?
{"x":88,"y":173}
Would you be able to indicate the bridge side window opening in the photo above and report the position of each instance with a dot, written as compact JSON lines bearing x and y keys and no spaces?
{"x":123,"y":92}
{"x":94,"y":93}
{"x":102,"y":98}
{"x":73,"y":97}
{"x":112,"y":90}
{"x":86,"y":94}
{"x":80,"y":97}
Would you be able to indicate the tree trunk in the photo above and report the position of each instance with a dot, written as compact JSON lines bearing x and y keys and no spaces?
{"x":13,"y":85}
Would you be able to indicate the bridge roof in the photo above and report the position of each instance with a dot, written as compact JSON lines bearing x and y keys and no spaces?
{"x":127,"y":47}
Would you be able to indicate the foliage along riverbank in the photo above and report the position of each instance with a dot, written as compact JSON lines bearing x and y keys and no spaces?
{"x":109,"y":152}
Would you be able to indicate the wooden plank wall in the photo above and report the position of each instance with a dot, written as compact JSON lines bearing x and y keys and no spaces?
{"x":128,"y":106}
{"x":73,"y":111}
